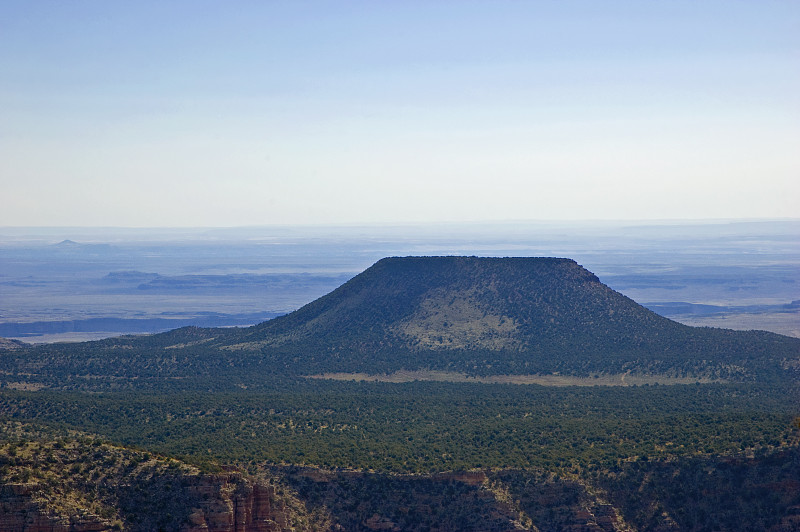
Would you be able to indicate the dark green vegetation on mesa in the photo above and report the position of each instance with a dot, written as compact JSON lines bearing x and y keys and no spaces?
{"x":377,"y":455}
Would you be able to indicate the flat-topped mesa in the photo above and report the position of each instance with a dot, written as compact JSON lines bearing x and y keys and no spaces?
{"x":461,"y":302}
{"x":475,"y":314}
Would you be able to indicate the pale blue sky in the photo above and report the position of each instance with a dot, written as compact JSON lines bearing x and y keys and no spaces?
{"x":248,"y":113}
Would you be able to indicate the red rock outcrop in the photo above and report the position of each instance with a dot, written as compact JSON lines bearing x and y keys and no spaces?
{"x":232,"y":503}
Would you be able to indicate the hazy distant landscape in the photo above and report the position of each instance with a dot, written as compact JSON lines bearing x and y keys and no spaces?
{"x":399,"y":266}
{"x":78,"y":284}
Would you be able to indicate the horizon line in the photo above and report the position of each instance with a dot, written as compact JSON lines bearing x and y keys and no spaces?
{"x":547,"y":221}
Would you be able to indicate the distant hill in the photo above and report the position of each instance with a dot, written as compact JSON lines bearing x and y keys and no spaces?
{"x":478,"y":316}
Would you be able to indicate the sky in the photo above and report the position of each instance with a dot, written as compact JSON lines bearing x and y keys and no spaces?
{"x":195,"y":113}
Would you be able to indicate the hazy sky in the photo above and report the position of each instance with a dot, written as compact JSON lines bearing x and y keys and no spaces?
{"x":191,"y":113}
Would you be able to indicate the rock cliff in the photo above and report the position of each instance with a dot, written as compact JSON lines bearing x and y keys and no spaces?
{"x":232,"y":503}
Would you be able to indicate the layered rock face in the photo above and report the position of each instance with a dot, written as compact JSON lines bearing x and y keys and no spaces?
{"x":230,"y":503}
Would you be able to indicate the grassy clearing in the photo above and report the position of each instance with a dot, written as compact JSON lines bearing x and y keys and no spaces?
{"x":619,"y":379}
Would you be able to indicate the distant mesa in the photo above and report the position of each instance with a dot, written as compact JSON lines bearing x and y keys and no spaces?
{"x":71,"y":245}
{"x":129,"y":276}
